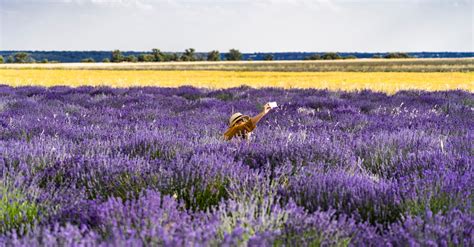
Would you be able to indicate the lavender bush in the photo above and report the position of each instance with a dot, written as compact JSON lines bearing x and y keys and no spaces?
{"x":148,"y":166}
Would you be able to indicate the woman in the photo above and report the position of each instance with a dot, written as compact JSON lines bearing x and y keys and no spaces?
{"x":241,"y":126}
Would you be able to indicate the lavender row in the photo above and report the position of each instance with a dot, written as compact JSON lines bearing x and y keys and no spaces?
{"x":148,"y":166}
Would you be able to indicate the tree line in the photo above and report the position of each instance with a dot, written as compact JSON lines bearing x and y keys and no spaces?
{"x":156,"y":55}
{"x":190,"y":54}
{"x":336,"y":56}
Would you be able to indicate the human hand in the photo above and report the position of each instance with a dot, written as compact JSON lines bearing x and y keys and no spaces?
{"x":266,"y":108}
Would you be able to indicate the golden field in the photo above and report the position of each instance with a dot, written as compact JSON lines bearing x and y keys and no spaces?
{"x":388,"y":82}
{"x":346,"y":65}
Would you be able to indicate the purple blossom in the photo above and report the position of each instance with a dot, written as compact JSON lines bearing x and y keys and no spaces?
{"x":100,"y":166}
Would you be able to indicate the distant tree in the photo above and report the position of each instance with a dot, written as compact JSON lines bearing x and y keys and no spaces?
{"x":22,"y":57}
{"x":173,"y":57}
{"x":233,"y":55}
{"x":170,"y":57}
{"x":44,"y":61}
{"x":397,"y":55}
{"x":10,"y":59}
{"x":158,"y":56}
{"x":376,"y":56}
{"x":268,"y":57}
{"x":117,"y":56}
{"x":149,"y":58}
{"x":331,"y":56}
{"x":350,"y":57}
{"x":146,"y":58}
{"x":189,"y":55}
{"x":106,"y":60}
{"x":131,"y":58}
{"x":213,"y":56}
{"x":88,"y":60}
{"x":1,"y":59}
{"x":313,"y":57}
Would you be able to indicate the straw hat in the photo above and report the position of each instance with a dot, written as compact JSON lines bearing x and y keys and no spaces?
{"x":236,"y":117}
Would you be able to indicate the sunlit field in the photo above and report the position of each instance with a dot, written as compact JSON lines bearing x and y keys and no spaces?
{"x":346,"y":65}
{"x":388,"y":82}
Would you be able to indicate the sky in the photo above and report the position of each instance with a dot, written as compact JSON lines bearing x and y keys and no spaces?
{"x":247,"y":25}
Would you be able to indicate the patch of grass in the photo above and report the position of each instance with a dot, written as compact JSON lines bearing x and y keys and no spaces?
{"x":200,"y":195}
{"x":15,"y":210}
{"x":437,"y":203}
{"x":309,"y":238}
{"x":124,"y":185}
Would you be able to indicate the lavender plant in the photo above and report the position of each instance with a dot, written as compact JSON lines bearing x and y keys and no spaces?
{"x":147,"y":166}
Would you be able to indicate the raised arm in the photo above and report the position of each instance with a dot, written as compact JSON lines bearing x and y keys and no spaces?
{"x":266,"y":109}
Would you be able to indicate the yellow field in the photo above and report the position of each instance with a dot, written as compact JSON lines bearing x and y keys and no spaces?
{"x":389,"y":82}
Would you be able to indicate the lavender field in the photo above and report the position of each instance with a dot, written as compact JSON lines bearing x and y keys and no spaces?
{"x":148,"y":167}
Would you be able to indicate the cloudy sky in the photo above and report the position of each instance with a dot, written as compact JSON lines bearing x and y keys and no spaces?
{"x":248,"y":25}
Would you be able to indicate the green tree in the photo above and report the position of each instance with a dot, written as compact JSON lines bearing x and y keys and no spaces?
{"x":106,"y":60}
{"x":331,"y":56}
{"x":22,"y":57}
{"x":268,"y":57}
{"x":44,"y":61}
{"x":397,"y":55}
{"x":350,"y":57}
{"x":189,"y":55}
{"x":88,"y":60}
{"x":10,"y":59}
{"x":234,"y":55}
{"x":131,"y":58}
{"x":117,"y":56}
{"x":213,"y":56}
{"x":1,"y":59}
{"x":146,"y":58}
{"x":173,"y":57}
{"x":313,"y":57}
{"x":158,"y":56}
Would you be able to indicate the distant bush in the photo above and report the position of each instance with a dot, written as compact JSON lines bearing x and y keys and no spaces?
{"x":172,"y":57}
{"x":328,"y":56}
{"x":331,"y":56}
{"x":1,"y":59}
{"x":88,"y":60}
{"x":397,"y":55}
{"x":146,"y":58}
{"x":313,"y":57}
{"x":131,"y":59}
{"x":268,"y":57}
{"x":106,"y":60}
{"x":23,"y":57}
{"x":350,"y":57}
{"x":10,"y":59}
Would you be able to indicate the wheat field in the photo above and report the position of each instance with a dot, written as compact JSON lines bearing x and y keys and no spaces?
{"x":388,"y":82}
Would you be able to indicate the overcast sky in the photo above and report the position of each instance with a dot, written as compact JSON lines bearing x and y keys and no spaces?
{"x":248,"y":25}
